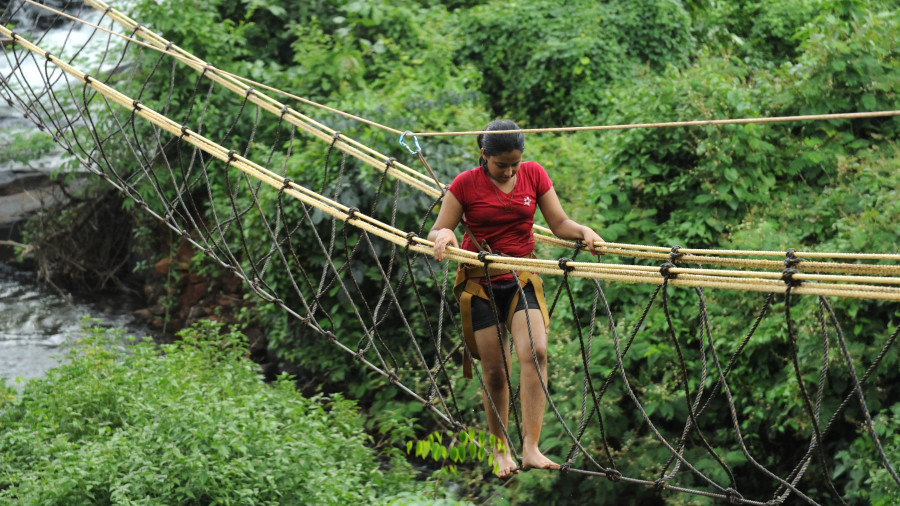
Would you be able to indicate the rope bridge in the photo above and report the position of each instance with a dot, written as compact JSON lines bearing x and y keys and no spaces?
{"x":305,"y":242}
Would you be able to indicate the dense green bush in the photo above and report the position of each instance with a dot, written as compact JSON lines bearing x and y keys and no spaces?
{"x":186,"y":423}
{"x":547,"y":62}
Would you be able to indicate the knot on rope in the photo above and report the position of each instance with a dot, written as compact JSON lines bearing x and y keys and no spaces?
{"x":410,"y":239}
{"x":138,"y":27}
{"x":390,"y":163}
{"x":675,"y":255}
{"x":136,"y":105}
{"x":733,"y":496}
{"x":660,"y":483}
{"x":87,"y":79}
{"x":774,"y":502}
{"x":393,"y":377}
{"x":108,"y":8}
{"x":48,"y":56}
{"x":286,"y":183}
{"x":564,"y":264}
{"x":284,"y":111}
{"x":231,"y":156}
{"x":351,"y":213}
{"x":579,"y":245}
{"x":184,"y":131}
{"x":790,"y":258}
{"x":664,"y":270}
{"x":250,"y":91}
{"x":336,"y":137}
{"x":613,"y":475}
{"x":169,"y":45}
{"x":788,"y":277}
{"x":482,"y":255}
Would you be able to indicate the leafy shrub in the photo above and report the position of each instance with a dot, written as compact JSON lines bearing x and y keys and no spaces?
{"x":548,"y":62}
{"x":187,"y":423}
{"x":766,"y":33}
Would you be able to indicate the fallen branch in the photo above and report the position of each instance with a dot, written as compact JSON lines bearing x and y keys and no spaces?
{"x":26,"y":248}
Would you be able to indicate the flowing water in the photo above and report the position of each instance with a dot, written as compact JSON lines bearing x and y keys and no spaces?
{"x":36,"y":321}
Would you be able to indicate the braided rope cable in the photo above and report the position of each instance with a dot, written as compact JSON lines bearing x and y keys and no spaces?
{"x":611,"y":272}
{"x":425,"y":184}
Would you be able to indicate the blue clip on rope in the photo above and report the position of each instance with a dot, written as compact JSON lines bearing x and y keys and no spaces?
{"x":418,"y":148}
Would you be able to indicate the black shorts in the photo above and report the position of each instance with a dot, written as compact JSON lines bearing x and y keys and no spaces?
{"x":483,"y":315}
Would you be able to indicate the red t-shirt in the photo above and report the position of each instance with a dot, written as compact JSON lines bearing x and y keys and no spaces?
{"x":504,"y":220}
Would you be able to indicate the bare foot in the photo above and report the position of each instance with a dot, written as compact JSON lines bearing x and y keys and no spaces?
{"x":504,"y":464}
{"x":534,"y":459}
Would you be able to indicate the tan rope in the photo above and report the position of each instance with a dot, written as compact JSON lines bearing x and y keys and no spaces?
{"x":426,"y":184}
{"x":235,"y":84}
{"x":770,"y":253}
{"x":131,"y":24}
{"x":610,"y":272}
{"x":127,"y":22}
{"x":667,"y":124}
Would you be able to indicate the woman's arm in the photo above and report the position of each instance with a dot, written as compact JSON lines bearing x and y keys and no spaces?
{"x":442,"y":232}
{"x":564,"y":227}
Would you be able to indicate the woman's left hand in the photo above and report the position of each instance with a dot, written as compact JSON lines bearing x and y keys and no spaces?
{"x":591,"y":239}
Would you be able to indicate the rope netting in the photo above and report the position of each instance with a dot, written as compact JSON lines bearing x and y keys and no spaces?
{"x":303,"y":239}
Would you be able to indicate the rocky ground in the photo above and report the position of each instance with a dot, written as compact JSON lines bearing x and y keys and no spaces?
{"x":23,"y":192}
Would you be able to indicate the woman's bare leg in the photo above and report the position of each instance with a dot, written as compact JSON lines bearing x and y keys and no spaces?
{"x":531,"y":387}
{"x":493,"y":354}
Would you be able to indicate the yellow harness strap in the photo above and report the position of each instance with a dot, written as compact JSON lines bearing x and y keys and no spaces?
{"x":466,"y":286}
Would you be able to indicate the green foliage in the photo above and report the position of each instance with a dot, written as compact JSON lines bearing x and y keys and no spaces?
{"x":186,"y":423}
{"x":463,"y":447}
{"x":766,"y":33}
{"x":851,"y":69}
{"x":719,"y":170}
{"x":25,"y":146}
{"x":551,"y":71}
{"x":654,"y":32}
{"x":870,"y":483}
{"x":547,"y":75}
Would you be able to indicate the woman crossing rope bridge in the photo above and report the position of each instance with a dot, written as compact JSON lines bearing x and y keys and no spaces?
{"x":496,"y":202}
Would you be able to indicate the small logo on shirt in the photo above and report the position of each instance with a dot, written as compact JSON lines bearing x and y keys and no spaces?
{"x":527,"y":201}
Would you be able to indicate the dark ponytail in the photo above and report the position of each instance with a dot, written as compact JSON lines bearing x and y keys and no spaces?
{"x":497,"y":144}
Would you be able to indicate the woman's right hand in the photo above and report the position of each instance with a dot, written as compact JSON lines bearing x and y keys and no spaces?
{"x":444,"y":237}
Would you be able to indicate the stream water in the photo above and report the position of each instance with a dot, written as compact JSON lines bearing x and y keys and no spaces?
{"x":37,"y":321}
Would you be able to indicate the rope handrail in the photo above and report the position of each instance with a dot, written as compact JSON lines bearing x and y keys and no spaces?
{"x":399,"y":237}
{"x":668,"y":124}
{"x":426,"y":184}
